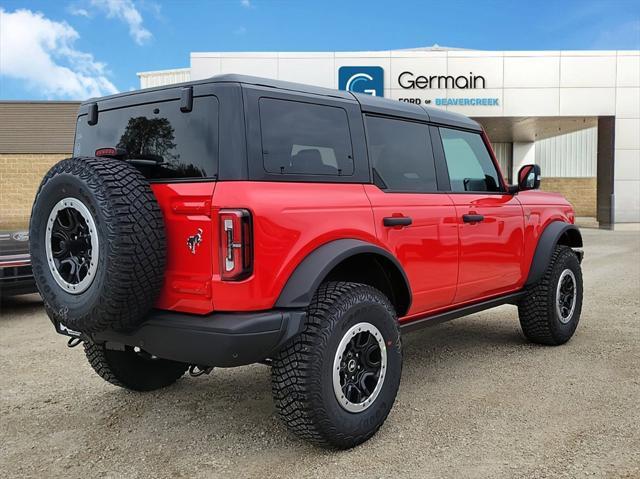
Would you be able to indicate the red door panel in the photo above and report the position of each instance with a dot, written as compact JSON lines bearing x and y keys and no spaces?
{"x":427,"y":249}
{"x":491,"y":250}
{"x":290,"y":220}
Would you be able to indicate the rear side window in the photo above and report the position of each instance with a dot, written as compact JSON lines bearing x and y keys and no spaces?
{"x":468,"y":161}
{"x":400,"y":154}
{"x":174,"y":144}
{"x":305,"y":139}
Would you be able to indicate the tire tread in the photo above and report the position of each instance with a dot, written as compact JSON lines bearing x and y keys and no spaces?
{"x":297,"y":367}
{"x":536,"y":309}
{"x":131,"y":372}
{"x":135,"y":236}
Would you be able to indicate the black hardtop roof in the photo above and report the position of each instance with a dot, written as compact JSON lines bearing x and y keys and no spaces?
{"x":368,"y":103}
{"x":388,"y":106}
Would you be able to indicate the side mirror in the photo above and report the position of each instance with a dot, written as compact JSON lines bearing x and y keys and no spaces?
{"x":529,"y":177}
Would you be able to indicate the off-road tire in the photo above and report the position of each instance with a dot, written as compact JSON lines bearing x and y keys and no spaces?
{"x":131,"y":370}
{"x":537,"y":309}
{"x":132,"y":244}
{"x":302,"y":372}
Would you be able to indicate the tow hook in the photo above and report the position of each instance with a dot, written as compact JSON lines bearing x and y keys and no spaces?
{"x":195,"y":370}
{"x":73,"y":342}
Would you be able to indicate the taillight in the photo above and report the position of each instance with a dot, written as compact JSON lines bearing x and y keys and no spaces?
{"x":111,"y":152}
{"x":236,"y":244}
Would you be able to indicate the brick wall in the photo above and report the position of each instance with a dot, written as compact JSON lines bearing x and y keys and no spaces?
{"x":20,"y":176}
{"x":581,"y":192}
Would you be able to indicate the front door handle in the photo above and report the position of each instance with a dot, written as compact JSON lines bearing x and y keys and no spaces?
{"x":397,"y":221}
{"x":472,"y":218}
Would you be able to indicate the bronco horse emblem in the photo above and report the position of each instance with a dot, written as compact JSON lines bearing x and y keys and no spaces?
{"x":194,"y":241}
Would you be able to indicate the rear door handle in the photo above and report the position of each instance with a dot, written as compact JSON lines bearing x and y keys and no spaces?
{"x":472,"y":218}
{"x":397,"y":221}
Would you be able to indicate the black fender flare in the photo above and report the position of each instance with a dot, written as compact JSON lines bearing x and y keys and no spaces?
{"x":299,"y":289}
{"x":548,"y":241}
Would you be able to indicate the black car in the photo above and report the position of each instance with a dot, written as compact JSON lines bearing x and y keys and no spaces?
{"x":16,"y":276}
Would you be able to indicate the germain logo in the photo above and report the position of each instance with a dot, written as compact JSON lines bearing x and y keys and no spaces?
{"x":408,"y":80}
{"x":368,"y":80}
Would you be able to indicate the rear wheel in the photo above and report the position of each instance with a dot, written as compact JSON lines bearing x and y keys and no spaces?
{"x":550,"y":311}
{"x":335,"y":383}
{"x":132,"y":369}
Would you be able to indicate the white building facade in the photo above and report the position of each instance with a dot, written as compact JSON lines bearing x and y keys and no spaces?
{"x":577,"y":113}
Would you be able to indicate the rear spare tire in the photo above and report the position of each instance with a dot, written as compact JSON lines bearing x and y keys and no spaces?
{"x":97,"y":244}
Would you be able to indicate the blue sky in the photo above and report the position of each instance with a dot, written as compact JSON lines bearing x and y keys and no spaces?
{"x":71,"y":49}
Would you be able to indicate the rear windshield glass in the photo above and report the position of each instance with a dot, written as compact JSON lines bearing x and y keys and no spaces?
{"x":305,"y":139}
{"x":173,"y":144}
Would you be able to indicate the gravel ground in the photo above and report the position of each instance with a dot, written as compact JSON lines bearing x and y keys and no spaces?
{"x":476,"y":400}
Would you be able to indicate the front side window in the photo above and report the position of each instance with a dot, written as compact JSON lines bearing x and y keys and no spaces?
{"x":305,"y":139}
{"x":468,"y":161}
{"x":400,"y":154}
{"x":172,"y":144}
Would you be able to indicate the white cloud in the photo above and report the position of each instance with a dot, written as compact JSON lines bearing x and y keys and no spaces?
{"x":41,"y":52}
{"x":79,"y":12}
{"x":246,"y":3}
{"x":126,"y":11}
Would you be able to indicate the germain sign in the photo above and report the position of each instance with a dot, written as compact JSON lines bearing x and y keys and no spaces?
{"x":364,"y":79}
{"x":408,"y":80}
{"x":370,"y":80}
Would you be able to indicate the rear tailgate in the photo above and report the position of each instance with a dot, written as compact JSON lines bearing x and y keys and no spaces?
{"x":187,"y":211}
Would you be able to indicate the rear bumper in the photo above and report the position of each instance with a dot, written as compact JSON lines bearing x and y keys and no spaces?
{"x":219,"y":339}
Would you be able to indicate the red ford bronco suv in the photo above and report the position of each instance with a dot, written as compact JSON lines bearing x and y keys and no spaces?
{"x":239,"y":220}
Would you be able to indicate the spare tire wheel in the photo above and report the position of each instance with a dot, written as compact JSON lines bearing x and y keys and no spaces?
{"x":97,"y":244}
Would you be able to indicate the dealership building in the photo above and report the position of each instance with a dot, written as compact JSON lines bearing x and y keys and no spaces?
{"x":576,"y":113}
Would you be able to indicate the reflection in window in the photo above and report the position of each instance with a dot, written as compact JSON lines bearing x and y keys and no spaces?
{"x":149,"y":139}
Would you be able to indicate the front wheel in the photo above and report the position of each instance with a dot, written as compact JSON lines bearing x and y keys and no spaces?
{"x":335,"y":383}
{"x":550,"y":310}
